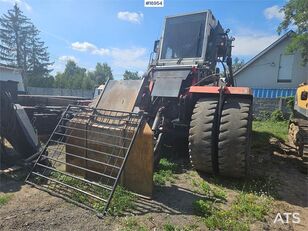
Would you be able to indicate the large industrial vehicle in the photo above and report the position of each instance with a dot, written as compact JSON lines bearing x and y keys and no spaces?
{"x":298,"y":126}
{"x":183,"y":93}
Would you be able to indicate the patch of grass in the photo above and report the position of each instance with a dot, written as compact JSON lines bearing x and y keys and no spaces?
{"x":165,"y":164}
{"x":171,"y":227}
{"x":252,"y":202}
{"x":245,"y":209}
{"x":258,"y":186}
{"x":204,"y":208}
{"x":165,"y":172}
{"x":131,"y":224}
{"x":263,"y":130}
{"x":213,"y":191}
{"x":220,"y":193}
{"x":122,"y":199}
{"x":4,"y":199}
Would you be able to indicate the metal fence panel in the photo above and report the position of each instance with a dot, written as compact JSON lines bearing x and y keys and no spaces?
{"x":85,"y":155}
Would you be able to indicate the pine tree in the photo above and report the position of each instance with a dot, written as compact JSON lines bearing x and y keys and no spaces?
{"x":21,"y":46}
{"x":38,"y":57}
{"x":13,"y":32}
{"x":4,"y":54}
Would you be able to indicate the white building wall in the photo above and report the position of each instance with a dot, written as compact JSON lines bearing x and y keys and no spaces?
{"x":263,"y":73}
{"x":8,"y":74}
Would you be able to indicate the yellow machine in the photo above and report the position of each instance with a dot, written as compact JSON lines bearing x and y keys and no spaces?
{"x":298,"y":127}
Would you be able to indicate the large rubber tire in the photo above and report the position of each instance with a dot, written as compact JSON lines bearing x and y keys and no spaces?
{"x":201,"y":135}
{"x":234,"y":138}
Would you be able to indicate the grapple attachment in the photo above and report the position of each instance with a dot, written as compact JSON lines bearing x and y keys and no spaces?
{"x":93,"y":149}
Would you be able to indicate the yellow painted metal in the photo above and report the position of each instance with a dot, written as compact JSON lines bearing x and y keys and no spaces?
{"x":303,"y":104}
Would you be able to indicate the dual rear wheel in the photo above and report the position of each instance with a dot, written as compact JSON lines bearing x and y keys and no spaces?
{"x":219,"y":143}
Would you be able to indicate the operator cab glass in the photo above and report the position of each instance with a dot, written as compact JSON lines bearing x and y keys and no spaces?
{"x":183,"y":36}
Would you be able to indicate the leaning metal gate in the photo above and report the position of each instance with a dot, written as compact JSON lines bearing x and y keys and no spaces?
{"x":84,"y":157}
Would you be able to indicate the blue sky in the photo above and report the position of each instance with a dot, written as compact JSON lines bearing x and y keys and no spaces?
{"x":122,"y":32}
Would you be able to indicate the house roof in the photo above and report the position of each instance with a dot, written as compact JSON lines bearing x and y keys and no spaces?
{"x":266,"y":50}
{"x":9,"y":68}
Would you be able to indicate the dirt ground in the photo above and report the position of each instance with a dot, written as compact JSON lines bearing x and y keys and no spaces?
{"x":32,"y":209}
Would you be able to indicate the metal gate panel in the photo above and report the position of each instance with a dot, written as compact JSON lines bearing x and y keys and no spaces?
{"x":85,"y":156}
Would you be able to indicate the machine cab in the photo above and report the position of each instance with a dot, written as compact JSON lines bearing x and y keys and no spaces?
{"x":185,"y":39}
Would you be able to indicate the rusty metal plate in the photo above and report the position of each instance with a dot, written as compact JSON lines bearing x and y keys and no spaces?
{"x":120,"y":95}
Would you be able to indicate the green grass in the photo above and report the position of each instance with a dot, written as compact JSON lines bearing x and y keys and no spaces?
{"x":259,"y":186}
{"x":268,"y":128}
{"x":245,"y":209}
{"x":131,"y":224}
{"x":252,"y":202}
{"x":212,"y":191}
{"x":4,"y":199}
{"x":165,"y":172}
{"x":122,"y":199}
{"x":171,"y":227}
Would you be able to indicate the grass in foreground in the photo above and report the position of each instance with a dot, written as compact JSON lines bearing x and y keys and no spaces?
{"x":245,"y":209}
{"x":262,"y":131}
{"x":252,"y":203}
{"x":4,"y":199}
{"x":171,"y":227}
{"x":122,"y":199}
{"x":165,"y":172}
{"x":131,"y":224}
{"x":278,"y":129}
{"x":214,"y":192}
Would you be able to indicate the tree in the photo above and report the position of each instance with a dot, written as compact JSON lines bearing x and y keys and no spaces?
{"x":38,"y":56}
{"x":296,"y":14}
{"x":4,"y":51}
{"x":40,"y":81}
{"x":21,"y":47}
{"x":130,"y":75}
{"x":237,"y":64}
{"x":102,"y":73}
{"x":73,"y":77}
{"x":13,"y":32}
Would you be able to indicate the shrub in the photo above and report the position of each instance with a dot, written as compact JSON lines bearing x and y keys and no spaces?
{"x":263,"y":115}
{"x":277,"y":115}
{"x":290,"y":102}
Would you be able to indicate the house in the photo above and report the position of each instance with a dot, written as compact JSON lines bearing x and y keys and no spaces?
{"x":273,"y":73}
{"x":11,"y":74}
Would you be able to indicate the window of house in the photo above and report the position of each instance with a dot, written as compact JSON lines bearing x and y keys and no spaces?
{"x":285,"y":68}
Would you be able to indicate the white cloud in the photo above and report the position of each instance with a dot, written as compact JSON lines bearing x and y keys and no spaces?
{"x":250,"y":45}
{"x":66,"y":58}
{"x":101,"y":51}
{"x":20,"y":3}
{"x":89,"y":47}
{"x":133,"y":58}
{"x":132,"y":17}
{"x":83,"y":46}
{"x":273,"y":12}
